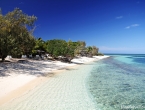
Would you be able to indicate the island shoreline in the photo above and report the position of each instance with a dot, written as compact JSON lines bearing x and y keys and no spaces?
{"x":31,"y":84}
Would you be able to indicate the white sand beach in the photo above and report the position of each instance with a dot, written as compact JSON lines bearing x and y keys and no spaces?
{"x":44,"y":85}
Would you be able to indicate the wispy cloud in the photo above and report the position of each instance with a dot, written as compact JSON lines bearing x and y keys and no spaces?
{"x":127,"y":27}
{"x":114,"y":48}
{"x":119,"y":17}
{"x":120,"y":49}
{"x":133,"y":25}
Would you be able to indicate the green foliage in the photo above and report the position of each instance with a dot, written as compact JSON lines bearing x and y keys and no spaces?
{"x":80,"y":47}
{"x":82,"y":44}
{"x":16,"y":30}
{"x":72,"y":48}
{"x":39,"y":45}
{"x":95,"y":50}
{"x":89,"y":49}
{"x":100,"y":54}
{"x":56,"y":47}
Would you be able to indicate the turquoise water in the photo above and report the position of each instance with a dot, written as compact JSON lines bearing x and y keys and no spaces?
{"x":118,"y":83}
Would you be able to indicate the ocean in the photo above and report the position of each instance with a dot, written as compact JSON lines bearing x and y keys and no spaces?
{"x":118,"y":82}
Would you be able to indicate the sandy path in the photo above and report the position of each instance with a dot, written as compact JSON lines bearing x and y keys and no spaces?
{"x":65,"y":91}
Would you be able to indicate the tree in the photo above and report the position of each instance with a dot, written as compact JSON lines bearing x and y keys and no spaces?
{"x":56,"y":47}
{"x":16,"y":33}
{"x":89,"y":51}
{"x":4,"y":37}
{"x":82,"y":44}
{"x":95,"y":50}
{"x":71,"y":49}
{"x":40,"y":45}
{"x":81,"y":48}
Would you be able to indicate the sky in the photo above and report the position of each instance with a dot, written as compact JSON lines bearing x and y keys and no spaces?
{"x":114,"y":26}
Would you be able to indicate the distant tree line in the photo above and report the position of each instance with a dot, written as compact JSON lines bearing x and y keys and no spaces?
{"x":16,"y":39}
{"x":69,"y":50}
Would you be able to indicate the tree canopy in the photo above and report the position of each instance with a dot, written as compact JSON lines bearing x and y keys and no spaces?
{"x":57,"y":47}
{"x":16,"y":33}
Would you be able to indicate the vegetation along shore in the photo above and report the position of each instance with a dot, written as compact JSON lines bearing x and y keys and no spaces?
{"x":17,"y":40}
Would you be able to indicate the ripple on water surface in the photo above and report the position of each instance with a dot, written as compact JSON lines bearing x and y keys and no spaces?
{"x":118,"y":85}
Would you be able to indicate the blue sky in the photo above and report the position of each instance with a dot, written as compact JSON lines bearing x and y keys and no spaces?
{"x":115,"y":26}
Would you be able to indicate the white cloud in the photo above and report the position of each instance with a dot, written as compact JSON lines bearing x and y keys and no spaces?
{"x":133,"y":25}
{"x":127,"y":27}
{"x":119,"y":17}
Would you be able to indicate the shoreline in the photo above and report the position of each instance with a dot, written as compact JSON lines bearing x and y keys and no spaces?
{"x":29,"y":85}
{"x":37,"y":81}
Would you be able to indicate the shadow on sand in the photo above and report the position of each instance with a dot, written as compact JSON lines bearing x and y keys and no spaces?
{"x":23,"y":66}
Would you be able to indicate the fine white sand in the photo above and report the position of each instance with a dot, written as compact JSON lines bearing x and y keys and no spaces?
{"x":8,"y":84}
{"x":62,"y":91}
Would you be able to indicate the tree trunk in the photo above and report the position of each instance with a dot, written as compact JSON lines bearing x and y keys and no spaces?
{"x":69,"y":59}
{"x":3,"y":58}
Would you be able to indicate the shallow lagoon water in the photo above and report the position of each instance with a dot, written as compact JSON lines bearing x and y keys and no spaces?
{"x":115,"y":83}
{"x":118,"y":83}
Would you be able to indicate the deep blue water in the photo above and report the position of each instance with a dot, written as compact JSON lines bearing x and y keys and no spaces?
{"x":118,"y":83}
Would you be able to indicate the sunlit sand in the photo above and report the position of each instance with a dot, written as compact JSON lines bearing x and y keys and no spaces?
{"x":51,"y":86}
